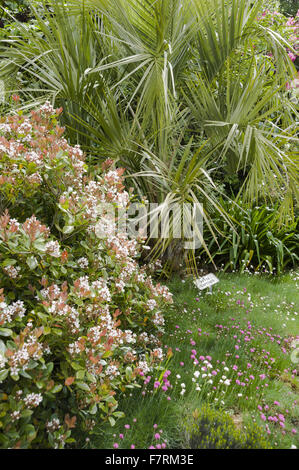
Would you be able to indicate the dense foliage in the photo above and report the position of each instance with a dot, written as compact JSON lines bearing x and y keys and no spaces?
{"x":257,"y":243}
{"x":79,"y":320}
{"x":192,"y":98}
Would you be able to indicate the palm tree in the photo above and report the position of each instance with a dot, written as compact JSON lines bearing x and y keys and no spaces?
{"x":173,"y":90}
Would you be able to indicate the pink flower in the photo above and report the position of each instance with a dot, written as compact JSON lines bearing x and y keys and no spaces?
{"x":292,"y":56}
{"x":157,"y":435}
{"x":132,"y":446}
{"x":115,"y":445}
{"x":127,"y":426}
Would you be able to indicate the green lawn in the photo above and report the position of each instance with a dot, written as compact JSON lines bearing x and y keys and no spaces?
{"x":244,"y":331}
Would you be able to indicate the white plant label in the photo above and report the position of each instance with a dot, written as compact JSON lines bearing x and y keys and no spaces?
{"x":206,"y":281}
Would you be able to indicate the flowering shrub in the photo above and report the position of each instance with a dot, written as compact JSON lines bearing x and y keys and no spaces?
{"x":80,"y":322}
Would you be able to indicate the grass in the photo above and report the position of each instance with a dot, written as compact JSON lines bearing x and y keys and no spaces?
{"x":246,"y":327}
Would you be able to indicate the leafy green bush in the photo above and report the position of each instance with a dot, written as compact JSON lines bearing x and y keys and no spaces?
{"x":213,"y":429}
{"x":79,"y":320}
{"x":289,"y":7}
{"x":258,"y":242}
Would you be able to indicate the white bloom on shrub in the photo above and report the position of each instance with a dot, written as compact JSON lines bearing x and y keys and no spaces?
{"x":8,"y":312}
{"x":47,"y":108}
{"x":129,"y":336}
{"x":158,"y":319}
{"x":33,"y":399}
{"x":83,"y":263}
{"x":3,"y":360}
{"x":111,"y":371}
{"x":34,"y":157}
{"x":120,"y":285}
{"x":35,"y":178}
{"x":143,"y":337}
{"x":73,"y":348}
{"x":158,"y":353}
{"x":15,"y":415}
{"x":102,"y":290}
{"x":25,"y":127}
{"x":196,"y":374}
{"x":53,"y":425}
{"x":53,"y":249}
{"x":5,"y":127}
{"x":151,"y":304}
{"x":140,"y":277}
{"x":12,"y":271}
{"x":144,"y":367}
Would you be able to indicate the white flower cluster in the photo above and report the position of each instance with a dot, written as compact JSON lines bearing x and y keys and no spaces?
{"x":35,"y":178}
{"x":53,"y":249}
{"x":151,"y":304}
{"x":57,"y":305}
{"x":25,"y":127}
{"x":158,"y":354}
{"x":15,"y":415}
{"x":158,"y":319}
{"x":5,"y":128}
{"x":83,"y":263}
{"x":33,"y":400}
{"x":9,"y":312}
{"x":73,"y":348}
{"x":102,"y":291}
{"x":12,"y":271}
{"x":144,"y":367}
{"x":47,"y":108}
{"x":53,"y":425}
{"x":111,"y":371}
{"x":34,"y":157}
